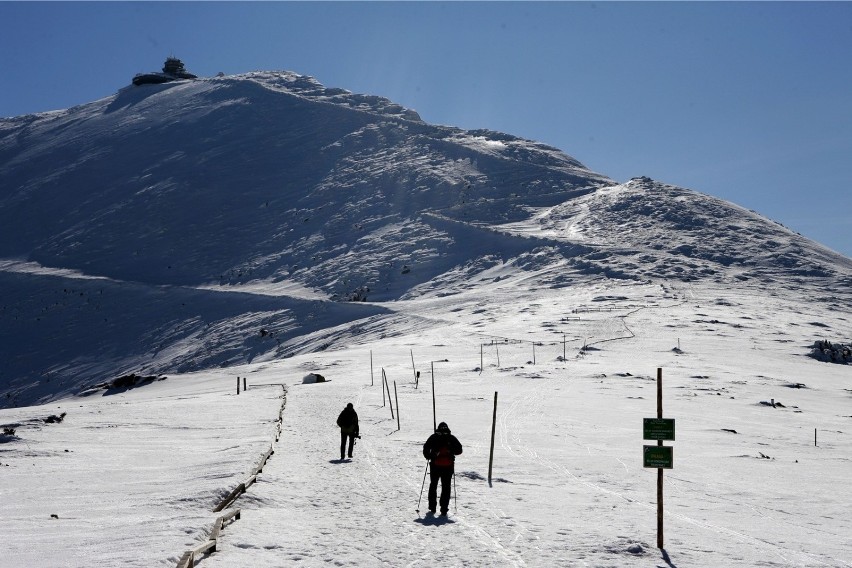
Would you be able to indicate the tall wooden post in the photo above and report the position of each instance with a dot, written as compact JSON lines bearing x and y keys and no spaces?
{"x":493,"y":430}
{"x":245,"y":387}
{"x":384,"y":378}
{"x":481,"y":359}
{"x":413,"y":370}
{"x":533,"y":352}
{"x":238,"y":385}
{"x":659,"y":469}
{"x":563,"y":346}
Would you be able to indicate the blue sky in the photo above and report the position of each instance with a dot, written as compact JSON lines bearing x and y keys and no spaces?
{"x":750,"y":102}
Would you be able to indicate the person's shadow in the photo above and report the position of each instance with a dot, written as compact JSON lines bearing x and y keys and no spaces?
{"x":434,"y":520}
{"x":346,"y":460}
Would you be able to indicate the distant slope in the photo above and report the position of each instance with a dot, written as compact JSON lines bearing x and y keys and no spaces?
{"x":302,"y":197}
{"x":647,"y":229}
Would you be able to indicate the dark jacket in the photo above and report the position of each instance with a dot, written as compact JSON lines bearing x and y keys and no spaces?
{"x":348,"y":421}
{"x":441,"y":449}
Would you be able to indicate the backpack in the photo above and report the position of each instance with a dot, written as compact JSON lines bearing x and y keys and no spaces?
{"x":443,"y":453}
{"x":346,"y":421}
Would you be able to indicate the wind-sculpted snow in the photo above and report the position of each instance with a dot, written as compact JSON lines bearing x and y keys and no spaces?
{"x":649,"y":229}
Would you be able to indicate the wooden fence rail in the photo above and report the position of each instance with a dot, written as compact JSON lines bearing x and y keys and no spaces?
{"x":189,"y":557}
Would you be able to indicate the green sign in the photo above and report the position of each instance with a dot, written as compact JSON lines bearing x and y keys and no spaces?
{"x":658,"y":429}
{"x":657,"y":456}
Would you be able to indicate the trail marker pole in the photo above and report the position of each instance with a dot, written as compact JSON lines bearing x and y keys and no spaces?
{"x":398,"y":427}
{"x":413,"y":370}
{"x":659,"y":456}
{"x":387,"y":385}
{"x":245,"y":388}
{"x":238,"y":385}
{"x":383,"y":387}
{"x":434,"y":416}
{"x":815,"y":437}
{"x":659,"y":469}
{"x":497,"y":347}
{"x":533,"y":352}
{"x":371,"y":368}
{"x":493,"y":430}
{"x":563,"y":346}
{"x":481,"y":359}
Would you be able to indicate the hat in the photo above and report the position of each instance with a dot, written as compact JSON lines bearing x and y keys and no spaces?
{"x":349,"y":405}
{"x":442,"y":427}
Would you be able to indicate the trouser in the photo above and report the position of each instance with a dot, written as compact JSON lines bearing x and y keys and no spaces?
{"x":445,"y":475}
{"x":343,"y":436}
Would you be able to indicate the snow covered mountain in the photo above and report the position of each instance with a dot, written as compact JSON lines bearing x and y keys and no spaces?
{"x":213,"y":222}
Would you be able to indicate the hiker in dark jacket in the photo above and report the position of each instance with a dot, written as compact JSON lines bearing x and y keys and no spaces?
{"x":441,"y":450}
{"x":348,"y":422}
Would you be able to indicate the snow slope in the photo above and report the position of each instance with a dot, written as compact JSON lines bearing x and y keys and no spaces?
{"x":205,"y":230}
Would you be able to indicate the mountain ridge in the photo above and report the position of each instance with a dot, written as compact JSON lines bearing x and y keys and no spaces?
{"x":305,"y":198}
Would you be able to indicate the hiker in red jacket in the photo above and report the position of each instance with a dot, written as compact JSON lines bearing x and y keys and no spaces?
{"x":441,"y":450}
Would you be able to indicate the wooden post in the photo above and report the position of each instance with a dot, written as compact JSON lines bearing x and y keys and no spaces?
{"x":533,"y":352}
{"x":434,"y":416}
{"x":498,"y":355}
{"x":563,"y":347}
{"x":245,"y":388}
{"x":659,"y":469}
{"x":481,"y":359}
{"x":371,"y":368}
{"x":387,"y":385}
{"x":383,"y":387}
{"x":238,"y":385}
{"x":396,"y":398}
{"x":815,"y":437}
{"x":413,"y":370}
{"x":493,"y":430}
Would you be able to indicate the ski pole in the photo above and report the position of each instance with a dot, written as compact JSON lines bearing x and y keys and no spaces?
{"x":422,"y":486}
{"x":455,"y":494}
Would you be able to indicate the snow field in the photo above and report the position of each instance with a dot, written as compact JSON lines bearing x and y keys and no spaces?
{"x":131,"y":477}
